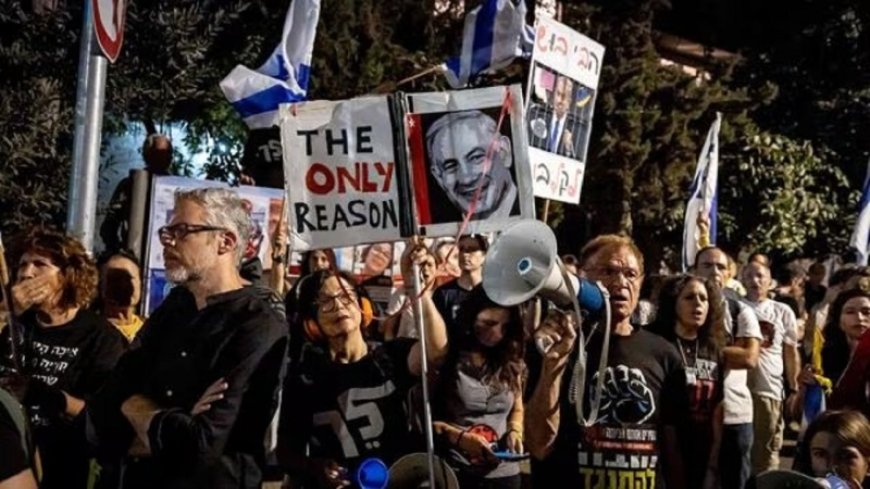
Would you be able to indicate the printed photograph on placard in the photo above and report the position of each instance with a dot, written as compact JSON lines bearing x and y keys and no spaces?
{"x":559,"y":117}
{"x":455,"y":149}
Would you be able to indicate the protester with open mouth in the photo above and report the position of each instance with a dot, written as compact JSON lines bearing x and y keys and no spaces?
{"x":690,"y":316}
{"x":633,"y":416}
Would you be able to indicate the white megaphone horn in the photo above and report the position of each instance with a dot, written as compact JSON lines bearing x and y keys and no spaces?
{"x":523,"y":263}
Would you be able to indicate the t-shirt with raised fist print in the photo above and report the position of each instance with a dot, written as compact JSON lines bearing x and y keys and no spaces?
{"x":350,"y":412}
{"x":644,"y":389}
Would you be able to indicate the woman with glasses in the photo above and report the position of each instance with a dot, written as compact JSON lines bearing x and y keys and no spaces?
{"x":691,"y":317}
{"x":65,"y":352}
{"x":346,"y":400}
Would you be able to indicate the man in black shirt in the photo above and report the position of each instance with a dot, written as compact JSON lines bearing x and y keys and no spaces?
{"x":448,"y":297}
{"x":157,"y":153}
{"x":623,"y":435}
{"x":209,"y":328}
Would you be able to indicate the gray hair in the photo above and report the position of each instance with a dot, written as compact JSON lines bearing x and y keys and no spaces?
{"x":223,"y":208}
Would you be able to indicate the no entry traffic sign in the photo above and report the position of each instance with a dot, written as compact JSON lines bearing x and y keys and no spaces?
{"x":109,"y":18}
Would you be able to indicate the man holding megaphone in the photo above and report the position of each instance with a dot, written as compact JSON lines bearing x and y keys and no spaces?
{"x":623,"y":432}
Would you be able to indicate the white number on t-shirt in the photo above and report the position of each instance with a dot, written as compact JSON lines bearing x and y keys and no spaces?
{"x":354,"y":404}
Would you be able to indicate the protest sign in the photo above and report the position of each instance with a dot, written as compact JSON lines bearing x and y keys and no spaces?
{"x":449,"y":135}
{"x":562,"y":90}
{"x":340,"y":170}
{"x":263,"y":205}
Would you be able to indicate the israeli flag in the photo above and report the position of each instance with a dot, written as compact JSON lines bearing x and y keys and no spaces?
{"x":283,"y":78}
{"x":495,"y":33}
{"x":861,"y":233}
{"x":703,"y":199}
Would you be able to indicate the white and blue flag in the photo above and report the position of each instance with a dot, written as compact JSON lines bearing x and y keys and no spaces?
{"x":494,"y":34}
{"x":703,"y":198}
{"x":861,"y":235}
{"x":283,"y":78}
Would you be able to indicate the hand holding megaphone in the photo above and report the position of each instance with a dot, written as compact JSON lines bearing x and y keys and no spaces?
{"x":556,"y":336}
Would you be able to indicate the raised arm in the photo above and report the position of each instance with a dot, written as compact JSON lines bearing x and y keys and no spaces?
{"x":436,"y":330}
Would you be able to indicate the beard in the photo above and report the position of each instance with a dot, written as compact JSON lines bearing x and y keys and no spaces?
{"x":183,"y":274}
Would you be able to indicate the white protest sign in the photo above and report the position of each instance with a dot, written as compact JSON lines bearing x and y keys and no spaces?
{"x":449,"y":135}
{"x":567,"y":51}
{"x":562,"y":91}
{"x":556,"y":177}
{"x":340,"y":173}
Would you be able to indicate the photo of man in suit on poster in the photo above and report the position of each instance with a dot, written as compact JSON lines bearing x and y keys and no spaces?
{"x":456,"y":145}
{"x":560,"y":120}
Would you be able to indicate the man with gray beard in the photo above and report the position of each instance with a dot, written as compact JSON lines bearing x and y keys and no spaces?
{"x":190,"y":403}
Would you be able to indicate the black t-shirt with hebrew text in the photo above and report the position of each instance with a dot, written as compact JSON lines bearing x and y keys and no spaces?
{"x":644,"y":390}
{"x":77,"y":358}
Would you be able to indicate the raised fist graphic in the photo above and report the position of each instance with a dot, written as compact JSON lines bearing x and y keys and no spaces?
{"x":625,"y":397}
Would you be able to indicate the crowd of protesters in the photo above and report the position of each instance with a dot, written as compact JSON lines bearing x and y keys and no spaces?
{"x":691,"y":384}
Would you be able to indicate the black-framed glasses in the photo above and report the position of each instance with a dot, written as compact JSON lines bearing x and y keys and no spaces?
{"x":177,"y":232}
{"x":327,"y":304}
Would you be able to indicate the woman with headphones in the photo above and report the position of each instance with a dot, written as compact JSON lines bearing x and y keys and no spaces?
{"x":346,"y":400}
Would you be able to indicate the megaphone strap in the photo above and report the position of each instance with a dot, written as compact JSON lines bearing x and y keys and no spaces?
{"x":577,"y":389}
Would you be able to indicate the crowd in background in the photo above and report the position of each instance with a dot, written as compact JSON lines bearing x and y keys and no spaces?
{"x":233,"y":380}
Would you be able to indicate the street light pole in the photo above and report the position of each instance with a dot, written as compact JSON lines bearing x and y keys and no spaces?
{"x":90,"y":98}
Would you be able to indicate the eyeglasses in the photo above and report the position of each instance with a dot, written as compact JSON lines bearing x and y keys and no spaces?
{"x":611,"y":273}
{"x":327,"y":304}
{"x":177,"y":232}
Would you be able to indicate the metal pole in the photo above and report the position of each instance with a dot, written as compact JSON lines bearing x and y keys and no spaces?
{"x":424,"y":376}
{"x":90,"y":91}
{"x":138,"y":212}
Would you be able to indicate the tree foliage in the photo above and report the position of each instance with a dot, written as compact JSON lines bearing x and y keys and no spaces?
{"x":795,"y":106}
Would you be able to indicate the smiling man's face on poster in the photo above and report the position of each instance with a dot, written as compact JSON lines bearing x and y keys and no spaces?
{"x":457,"y":144}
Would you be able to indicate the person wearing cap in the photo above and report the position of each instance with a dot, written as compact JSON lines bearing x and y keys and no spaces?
{"x":447,"y":298}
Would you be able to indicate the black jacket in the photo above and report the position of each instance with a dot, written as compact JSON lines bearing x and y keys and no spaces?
{"x":177,"y":355}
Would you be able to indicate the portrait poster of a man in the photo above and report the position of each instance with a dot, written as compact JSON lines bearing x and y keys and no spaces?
{"x":560,"y":114}
{"x":464,"y":163}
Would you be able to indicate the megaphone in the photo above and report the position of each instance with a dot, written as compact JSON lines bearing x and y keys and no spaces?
{"x":412,"y":472}
{"x":523,"y":263}
{"x":372,"y":473}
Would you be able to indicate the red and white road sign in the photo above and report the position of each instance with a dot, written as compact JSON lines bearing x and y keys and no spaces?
{"x":109,"y":16}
